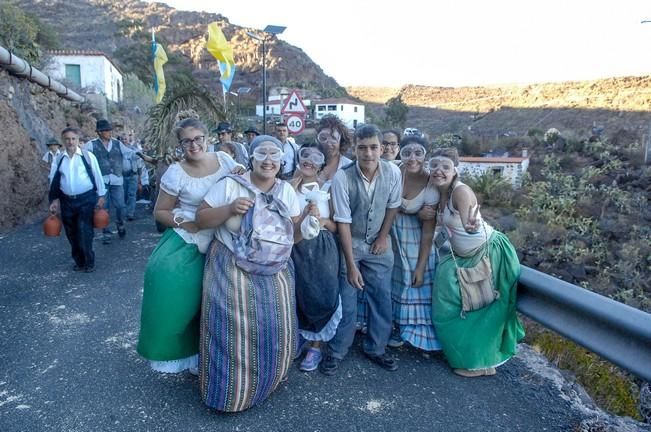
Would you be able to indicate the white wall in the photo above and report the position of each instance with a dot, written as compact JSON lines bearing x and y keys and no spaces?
{"x":96,"y":72}
{"x":512,"y":171}
{"x":346,"y":112}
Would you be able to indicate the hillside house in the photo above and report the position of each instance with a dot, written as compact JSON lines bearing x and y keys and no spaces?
{"x":350,"y":112}
{"x":92,"y":71}
{"x":510,"y":168}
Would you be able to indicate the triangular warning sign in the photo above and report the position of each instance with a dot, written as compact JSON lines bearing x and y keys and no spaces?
{"x":293,"y":104}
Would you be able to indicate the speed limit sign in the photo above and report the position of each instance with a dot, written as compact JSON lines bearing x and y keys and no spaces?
{"x":295,"y":124}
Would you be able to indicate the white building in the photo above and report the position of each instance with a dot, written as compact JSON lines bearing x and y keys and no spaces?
{"x":511,"y":168}
{"x":92,"y":71}
{"x":350,"y":112}
{"x":276,"y":102}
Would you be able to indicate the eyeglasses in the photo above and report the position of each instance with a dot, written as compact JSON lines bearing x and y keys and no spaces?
{"x":323,"y":137}
{"x":390,"y":143}
{"x":312,"y":155}
{"x":188,"y":142}
{"x":413,"y":152}
{"x":261,"y":154}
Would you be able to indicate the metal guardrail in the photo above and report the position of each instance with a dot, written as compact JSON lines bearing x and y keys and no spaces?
{"x":617,"y":332}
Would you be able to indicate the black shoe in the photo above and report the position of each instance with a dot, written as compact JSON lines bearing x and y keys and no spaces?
{"x":131,"y":218}
{"x":106,"y":240}
{"x":89,"y":269}
{"x":385,"y":361}
{"x":122,"y":232}
{"x":77,"y":268}
{"x":329,"y":365}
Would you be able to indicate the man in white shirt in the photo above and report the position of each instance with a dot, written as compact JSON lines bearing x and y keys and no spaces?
{"x":53,"y":150}
{"x":290,"y":152}
{"x":76,"y":189}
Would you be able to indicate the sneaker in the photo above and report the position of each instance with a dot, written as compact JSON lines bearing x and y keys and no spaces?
{"x":395,"y":341}
{"x":311,"y":360}
{"x":329,"y":365}
{"x":302,"y":344}
{"x":122,"y":232}
{"x":385,"y":361}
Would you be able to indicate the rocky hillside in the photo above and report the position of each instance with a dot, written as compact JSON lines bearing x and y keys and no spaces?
{"x":614,"y":103}
{"x":111,"y":25}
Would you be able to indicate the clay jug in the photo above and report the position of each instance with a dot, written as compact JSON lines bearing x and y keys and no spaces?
{"x":52,"y":226}
{"x":100,"y":218}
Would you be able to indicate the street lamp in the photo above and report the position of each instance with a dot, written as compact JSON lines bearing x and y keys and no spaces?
{"x":271,"y":30}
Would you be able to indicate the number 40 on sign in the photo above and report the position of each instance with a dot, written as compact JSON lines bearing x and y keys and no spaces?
{"x":295,"y":124}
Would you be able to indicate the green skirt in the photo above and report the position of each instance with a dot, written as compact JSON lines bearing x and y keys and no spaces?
{"x":486,"y":337}
{"x":171,"y":300}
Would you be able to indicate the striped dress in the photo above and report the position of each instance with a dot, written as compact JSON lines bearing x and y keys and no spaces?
{"x":412,"y":306}
{"x":248,"y":332}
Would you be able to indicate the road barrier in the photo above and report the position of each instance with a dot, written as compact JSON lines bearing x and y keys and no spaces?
{"x":619,"y":333}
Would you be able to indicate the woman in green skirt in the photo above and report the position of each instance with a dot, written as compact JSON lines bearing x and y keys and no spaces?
{"x":474,"y":342}
{"x":171,"y":301}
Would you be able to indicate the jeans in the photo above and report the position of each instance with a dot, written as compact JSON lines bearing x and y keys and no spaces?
{"x":376,"y":272}
{"x":130,"y":190}
{"x":77,"y":218}
{"x":115,"y":200}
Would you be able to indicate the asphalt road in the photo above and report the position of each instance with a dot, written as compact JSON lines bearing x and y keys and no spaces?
{"x":68,"y":363}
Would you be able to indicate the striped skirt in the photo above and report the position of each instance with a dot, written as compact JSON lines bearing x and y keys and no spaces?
{"x":412,"y":306}
{"x":248,"y":332}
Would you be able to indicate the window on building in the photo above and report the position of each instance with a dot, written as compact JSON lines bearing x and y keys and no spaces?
{"x":321,"y":108}
{"x":332,"y":107}
{"x":341,"y":108}
{"x":73,"y":74}
{"x":497,"y":171}
{"x":355,"y":109}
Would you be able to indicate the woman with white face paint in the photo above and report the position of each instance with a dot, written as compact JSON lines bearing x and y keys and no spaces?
{"x":248,"y":325}
{"x":414,"y":259}
{"x":474,"y":342}
{"x":316,"y":260}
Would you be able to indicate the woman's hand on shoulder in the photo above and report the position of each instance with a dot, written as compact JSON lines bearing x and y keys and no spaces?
{"x":238,"y":170}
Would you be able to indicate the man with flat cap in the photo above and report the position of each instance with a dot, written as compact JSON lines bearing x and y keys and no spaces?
{"x":110,"y":154}
{"x":224,"y":132}
{"x":53,"y":150}
{"x":250,"y":135}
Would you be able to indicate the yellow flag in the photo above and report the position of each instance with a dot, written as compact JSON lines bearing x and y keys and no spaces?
{"x":218,"y":46}
{"x":160,"y":58}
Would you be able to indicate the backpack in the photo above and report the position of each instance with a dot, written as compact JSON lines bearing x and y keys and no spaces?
{"x":264,"y":243}
{"x":55,"y":185}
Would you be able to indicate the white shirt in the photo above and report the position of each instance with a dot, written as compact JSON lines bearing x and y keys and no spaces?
{"x":74,"y":177}
{"x":289,"y":156}
{"x":49,"y":156}
{"x":226,"y":191}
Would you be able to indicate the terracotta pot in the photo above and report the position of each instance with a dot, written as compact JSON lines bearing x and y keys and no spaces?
{"x":52,"y":226}
{"x":100,"y":218}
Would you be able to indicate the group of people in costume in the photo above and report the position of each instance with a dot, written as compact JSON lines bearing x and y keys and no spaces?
{"x":261,"y":266}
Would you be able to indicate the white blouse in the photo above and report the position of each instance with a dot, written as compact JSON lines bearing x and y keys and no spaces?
{"x":427,"y":196}
{"x":190,"y":192}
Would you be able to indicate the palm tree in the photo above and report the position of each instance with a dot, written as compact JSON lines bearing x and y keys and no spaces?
{"x":178,"y":102}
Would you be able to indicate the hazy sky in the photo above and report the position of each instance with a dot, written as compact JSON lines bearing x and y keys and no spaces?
{"x":456,"y":42}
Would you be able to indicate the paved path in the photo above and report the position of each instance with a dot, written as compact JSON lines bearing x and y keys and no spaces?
{"x":68,"y":363}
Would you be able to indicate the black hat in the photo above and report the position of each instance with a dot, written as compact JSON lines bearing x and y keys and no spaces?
{"x":252,"y":129}
{"x":223,"y":127}
{"x":103,"y":125}
{"x":52,"y":141}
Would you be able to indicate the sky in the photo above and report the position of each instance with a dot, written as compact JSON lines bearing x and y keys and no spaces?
{"x":456,"y":42}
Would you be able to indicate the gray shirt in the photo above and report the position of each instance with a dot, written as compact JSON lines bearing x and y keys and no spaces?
{"x":341,"y":198}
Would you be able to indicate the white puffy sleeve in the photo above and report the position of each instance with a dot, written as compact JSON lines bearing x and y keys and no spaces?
{"x":170,"y":183}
